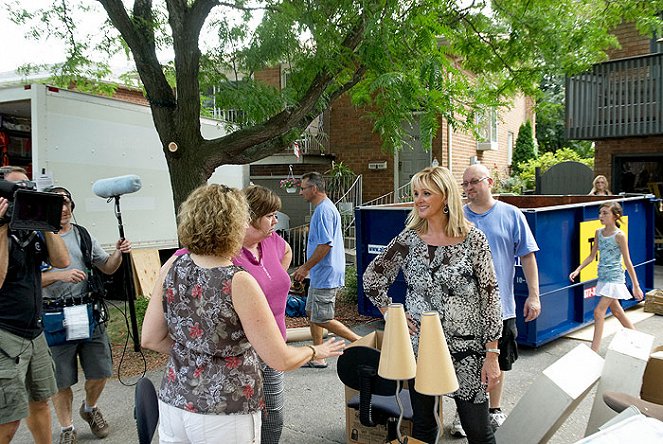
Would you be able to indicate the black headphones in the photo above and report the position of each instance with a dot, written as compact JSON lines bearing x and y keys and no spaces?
{"x":55,"y":189}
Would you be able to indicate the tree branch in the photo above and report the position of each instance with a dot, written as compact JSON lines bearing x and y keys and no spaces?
{"x":247,"y":8}
{"x":267,"y":135}
{"x":139,"y":36}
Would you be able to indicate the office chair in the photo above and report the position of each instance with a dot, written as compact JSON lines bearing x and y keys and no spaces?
{"x":146,"y":410}
{"x":357,"y":368}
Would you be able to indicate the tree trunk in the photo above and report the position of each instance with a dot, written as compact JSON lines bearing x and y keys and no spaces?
{"x":184,"y":176}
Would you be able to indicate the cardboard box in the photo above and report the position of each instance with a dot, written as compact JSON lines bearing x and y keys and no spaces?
{"x":652,"y":388}
{"x":654,"y":302}
{"x":356,"y":433}
{"x":359,"y":434}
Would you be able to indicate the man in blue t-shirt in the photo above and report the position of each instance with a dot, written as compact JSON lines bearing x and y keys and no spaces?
{"x":509,"y":237}
{"x":325,"y":263}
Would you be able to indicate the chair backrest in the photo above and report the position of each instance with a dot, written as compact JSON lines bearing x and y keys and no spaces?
{"x":146,"y":410}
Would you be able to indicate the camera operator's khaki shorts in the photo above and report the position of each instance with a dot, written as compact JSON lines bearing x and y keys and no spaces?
{"x":321,"y":304}
{"x":27,"y":373}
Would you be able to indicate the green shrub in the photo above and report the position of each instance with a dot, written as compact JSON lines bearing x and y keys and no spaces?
{"x":505,"y":184}
{"x":525,"y":148}
{"x":349,"y":294}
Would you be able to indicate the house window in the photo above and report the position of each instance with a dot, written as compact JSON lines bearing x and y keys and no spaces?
{"x":285,"y":76}
{"x":487,"y":131}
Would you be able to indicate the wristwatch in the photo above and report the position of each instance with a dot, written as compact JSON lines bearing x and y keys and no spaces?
{"x":493,"y":350}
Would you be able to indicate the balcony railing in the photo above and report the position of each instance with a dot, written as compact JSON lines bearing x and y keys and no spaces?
{"x":618,"y":98}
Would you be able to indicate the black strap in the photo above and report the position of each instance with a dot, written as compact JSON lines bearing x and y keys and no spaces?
{"x":95,"y":284}
{"x":86,"y":244}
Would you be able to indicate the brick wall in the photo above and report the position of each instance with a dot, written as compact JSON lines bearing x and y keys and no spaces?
{"x":353,"y":141}
{"x":130,"y":95}
{"x":606,"y":150}
{"x":631,"y":41}
{"x":270,"y":76}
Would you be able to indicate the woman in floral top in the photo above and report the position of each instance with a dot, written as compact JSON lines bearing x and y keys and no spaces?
{"x":448,"y":268}
{"x":212,"y":319}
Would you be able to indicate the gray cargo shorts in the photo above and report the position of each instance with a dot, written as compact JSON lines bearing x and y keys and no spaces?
{"x":320,"y":304}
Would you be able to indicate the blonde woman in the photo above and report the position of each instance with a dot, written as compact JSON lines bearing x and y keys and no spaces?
{"x":448,"y":268}
{"x":212,"y":319}
{"x":600,"y":186}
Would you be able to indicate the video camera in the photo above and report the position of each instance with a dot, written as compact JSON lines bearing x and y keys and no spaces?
{"x":30,"y":209}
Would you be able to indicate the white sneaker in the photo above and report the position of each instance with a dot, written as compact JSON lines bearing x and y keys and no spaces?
{"x":457,"y":428}
{"x":496,"y":419}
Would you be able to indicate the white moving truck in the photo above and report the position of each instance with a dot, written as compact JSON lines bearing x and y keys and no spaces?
{"x":79,"y":138}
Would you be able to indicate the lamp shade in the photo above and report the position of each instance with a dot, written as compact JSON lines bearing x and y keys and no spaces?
{"x":396,"y":356}
{"x":435,"y":370}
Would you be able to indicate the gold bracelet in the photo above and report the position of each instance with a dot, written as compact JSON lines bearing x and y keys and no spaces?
{"x":315,"y":354}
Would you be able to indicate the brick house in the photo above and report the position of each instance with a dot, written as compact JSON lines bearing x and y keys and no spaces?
{"x":349,"y":138}
{"x":618,"y":105}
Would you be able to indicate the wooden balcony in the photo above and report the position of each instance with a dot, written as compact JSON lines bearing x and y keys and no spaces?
{"x":619,"y":98}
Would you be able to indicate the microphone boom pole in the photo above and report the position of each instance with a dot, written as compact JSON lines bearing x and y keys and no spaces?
{"x":113,"y":188}
{"x":127,"y":272}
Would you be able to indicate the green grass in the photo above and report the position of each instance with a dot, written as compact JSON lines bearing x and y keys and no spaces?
{"x":119,"y":314}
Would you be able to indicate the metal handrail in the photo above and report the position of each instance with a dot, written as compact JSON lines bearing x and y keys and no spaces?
{"x":389,"y":197}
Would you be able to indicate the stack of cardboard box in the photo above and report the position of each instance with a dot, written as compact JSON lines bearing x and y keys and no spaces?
{"x":654,"y":302}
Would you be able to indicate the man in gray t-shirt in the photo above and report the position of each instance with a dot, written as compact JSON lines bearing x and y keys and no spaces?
{"x":94,"y":353}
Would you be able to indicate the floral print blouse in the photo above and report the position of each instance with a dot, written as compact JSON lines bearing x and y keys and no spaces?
{"x":212,"y":369}
{"x":458,"y":281}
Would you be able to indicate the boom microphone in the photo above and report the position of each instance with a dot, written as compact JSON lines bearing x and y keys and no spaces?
{"x":117,"y":186}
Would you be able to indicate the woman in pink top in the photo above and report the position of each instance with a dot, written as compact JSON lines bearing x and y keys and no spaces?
{"x":266,"y":256}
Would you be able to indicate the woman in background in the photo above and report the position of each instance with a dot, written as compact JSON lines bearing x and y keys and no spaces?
{"x":600,"y":186}
{"x":266,"y":256}
{"x":211,"y":317}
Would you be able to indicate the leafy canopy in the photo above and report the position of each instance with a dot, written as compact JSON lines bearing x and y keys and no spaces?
{"x":395,"y":57}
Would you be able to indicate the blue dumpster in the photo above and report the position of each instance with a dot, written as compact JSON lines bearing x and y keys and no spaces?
{"x":560,"y":225}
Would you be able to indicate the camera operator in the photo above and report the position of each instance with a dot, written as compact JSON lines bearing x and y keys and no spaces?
{"x":24,"y":353}
{"x":94,"y":353}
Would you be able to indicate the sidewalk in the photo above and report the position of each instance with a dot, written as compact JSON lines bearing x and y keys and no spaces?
{"x":314,"y":397}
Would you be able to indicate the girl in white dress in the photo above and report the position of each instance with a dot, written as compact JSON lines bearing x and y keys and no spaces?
{"x":611,"y":287}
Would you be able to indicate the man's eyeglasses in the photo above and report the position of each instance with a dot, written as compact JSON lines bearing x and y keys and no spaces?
{"x":472,"y":182}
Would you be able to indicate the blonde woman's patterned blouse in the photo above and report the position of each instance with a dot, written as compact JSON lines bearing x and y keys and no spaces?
{"x":213,"y":369}
{"x":458,"y":282}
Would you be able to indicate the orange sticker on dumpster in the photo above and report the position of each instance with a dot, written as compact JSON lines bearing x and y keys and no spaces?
{"x":587,"y":234}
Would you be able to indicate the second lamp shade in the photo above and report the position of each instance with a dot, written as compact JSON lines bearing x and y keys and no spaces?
{"x":435,"y":370}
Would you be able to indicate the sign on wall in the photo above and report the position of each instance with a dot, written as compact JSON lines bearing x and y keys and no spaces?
{"x":587,"y":234}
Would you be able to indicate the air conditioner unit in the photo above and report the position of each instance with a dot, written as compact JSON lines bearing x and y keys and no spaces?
{"x":486,"y":146}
